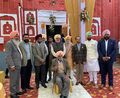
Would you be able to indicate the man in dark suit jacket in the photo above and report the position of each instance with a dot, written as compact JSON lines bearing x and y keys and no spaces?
{"x":107,"y":55}
{"x":49,"y":58}
{"x":79,"y":53}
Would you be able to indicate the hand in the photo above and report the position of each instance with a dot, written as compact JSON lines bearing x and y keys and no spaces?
{"x":84,"y":63}
{"x":74,"y":63}
{"x":67,"y":77}
{"x":56,"y":68}
{"x":42,"y":61}
{"x":108,"y":57}
{"x":12,"y":68}
{"x":104,"y":58}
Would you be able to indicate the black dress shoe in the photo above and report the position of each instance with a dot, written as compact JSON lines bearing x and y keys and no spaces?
{"x":44,"y":85}
{"x":83,"y":84}
{"x":19,"y":93}
{"x":77,"y":83}
{"x":14,"y":96}
{"x":65,"y":96}
{"x":24,"y":91}
{"x":49,"y":79}
{"x":29,"y":87}
{"x":61,"y":96}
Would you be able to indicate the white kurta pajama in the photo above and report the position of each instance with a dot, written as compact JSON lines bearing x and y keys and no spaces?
{"x":92,"y":65}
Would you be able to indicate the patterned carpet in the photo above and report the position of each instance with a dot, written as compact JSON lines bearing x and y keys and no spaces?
{"x":30,"y":93}
{"x":105,"y":93}
{"x":95,"y":93}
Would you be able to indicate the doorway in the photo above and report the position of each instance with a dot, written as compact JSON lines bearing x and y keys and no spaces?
{"x":57,"y":30}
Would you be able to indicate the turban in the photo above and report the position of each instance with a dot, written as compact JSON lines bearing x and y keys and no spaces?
{"x":59,"y":53}
{"x":37,"y":36}
{"x":57,"y":36}
{"x":107,"y":31}
{"x":13,"y":34}
{"x":44,"y":36}
{"x":68,"y":37}
{"x":89,"y":34}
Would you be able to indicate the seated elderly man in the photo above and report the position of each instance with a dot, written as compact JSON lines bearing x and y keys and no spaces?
{"x":61,"y":74}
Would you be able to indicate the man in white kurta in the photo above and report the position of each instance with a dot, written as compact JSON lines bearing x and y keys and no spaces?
{"x":92,"y":58}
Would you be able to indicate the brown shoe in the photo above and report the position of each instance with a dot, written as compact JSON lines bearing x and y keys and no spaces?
{"x":90,"y":83}
{"x":102,"y":86}
{"x":96,"y":86}
{"x":111,"y":88}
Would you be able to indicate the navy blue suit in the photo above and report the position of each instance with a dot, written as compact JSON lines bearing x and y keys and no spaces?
{"x":107,"y":66}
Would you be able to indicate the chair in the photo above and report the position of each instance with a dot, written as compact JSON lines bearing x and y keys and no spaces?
{"x":2,"y":77}
{"x":56,"y":88}
{"x":2,"y":91}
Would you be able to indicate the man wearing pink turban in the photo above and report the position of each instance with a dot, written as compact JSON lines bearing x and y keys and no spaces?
{"x":107,"y":31}
{"x":107,"y":55}
{"x":14,"y":34}
{"x":13,"y":60}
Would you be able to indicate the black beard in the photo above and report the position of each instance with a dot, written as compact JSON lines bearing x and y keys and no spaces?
{"x":39,"y":42}
{"x":26,"y":40}
{"x":106,"y":38}
{"x":89,"y":39}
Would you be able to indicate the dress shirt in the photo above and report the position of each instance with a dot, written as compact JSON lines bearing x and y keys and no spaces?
{"x":27,"y":49}
{"x":78,"y":45}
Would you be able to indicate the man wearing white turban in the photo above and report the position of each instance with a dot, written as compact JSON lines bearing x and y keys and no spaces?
{"x":58,"y":45}
{"x":107,"y":55}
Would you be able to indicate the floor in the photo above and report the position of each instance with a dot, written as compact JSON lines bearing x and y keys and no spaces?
{"x":88,"y":91}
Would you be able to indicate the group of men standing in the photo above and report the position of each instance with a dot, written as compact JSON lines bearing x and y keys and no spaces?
{"x":50,"y":56}
{"x":97,"y":56}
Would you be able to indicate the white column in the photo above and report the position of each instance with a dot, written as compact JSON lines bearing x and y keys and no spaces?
{"x":20,"y":25}
{"x":83,"y":27}
{"x":68,"y":27}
